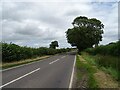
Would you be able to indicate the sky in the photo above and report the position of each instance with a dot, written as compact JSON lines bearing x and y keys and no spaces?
{"x":36,"y":23}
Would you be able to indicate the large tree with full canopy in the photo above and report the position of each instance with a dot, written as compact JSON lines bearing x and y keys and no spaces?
{"x":85,"y":33}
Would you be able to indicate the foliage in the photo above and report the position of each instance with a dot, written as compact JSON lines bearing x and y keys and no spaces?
{"x":106,"y":62}
{"x":114,"y":73}
{"x":12,"y":52}
{"x":54,"y":44}
{"x":85,"y":32}
{"x":110,"y":49}
{"x":86,"y":68}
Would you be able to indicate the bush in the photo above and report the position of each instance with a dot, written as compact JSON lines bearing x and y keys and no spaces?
{"x":110,"y":49}
{"x":107,"y":61}
{"x":12,"y":52}
{"x":107,"y":56}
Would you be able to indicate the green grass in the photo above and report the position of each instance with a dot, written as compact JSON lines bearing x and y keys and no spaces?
{"x":78,"y":64}
{"x":111,"y":71}
{"x":91,"y":81}
{"x":89,"y":71}
{"x":107,"y":63}
{"x":88,"y":58}
{"x":22,"y":62}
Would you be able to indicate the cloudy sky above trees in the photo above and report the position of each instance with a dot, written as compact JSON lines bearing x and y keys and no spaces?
{"x":38,"y":22}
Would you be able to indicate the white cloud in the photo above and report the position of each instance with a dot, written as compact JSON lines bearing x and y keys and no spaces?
{"x":61,"y":1}
{"x":37,"y":23}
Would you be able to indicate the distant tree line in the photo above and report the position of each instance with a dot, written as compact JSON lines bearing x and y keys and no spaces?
{"x":12,"y":52}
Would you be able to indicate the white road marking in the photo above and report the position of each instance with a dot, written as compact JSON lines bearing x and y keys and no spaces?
{"x":22,"y":65}
{"x":63,"y":57}
{"x":19,"y":78}
{"x":54,"y":61}
{"x":71,"y":80}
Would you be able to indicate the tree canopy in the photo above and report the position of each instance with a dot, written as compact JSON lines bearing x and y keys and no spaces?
{"x":85,"y":32}
{"x":54,"y":44}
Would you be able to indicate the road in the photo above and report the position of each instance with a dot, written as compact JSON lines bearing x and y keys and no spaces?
{"x":53,"y":72}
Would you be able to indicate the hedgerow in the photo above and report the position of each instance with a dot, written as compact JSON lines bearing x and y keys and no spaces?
{"x":107,"y":56}
{"x":12,"y":52}
{"x":110,"y":49}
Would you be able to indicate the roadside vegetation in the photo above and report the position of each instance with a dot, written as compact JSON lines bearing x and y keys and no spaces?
{"x":105,"y":61}
{"x":108,"y":76}
{"x":85,"y":74}
{"x":12,"y":52}
{"x":21,"y":62}
{"x":107,"y":58}
{"x":14,"y":55}
{"x":86,"y":33}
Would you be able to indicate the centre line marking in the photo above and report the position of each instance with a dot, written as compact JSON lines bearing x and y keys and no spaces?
{"x":54,"y":61}
{"x":19,"y":78}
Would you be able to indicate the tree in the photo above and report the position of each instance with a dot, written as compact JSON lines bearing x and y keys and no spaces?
{"x":85,"y":32}
{"x":54,"y":44}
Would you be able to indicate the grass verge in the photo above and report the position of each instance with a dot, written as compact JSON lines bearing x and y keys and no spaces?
{"x":17,"y":63}
{"x":106,"y":70}
{"x":109,"y":64}
{"x":85,"y":70}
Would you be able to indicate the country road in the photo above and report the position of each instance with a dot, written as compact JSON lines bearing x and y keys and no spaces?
{"x":53,"y":72}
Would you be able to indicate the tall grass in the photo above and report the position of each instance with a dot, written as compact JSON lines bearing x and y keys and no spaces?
{"x":107,"y":61}
{"x":107,"y":57}
{"x":109,"y":64}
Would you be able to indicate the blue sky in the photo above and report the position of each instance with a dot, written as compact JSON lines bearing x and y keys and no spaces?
{"x":37,"y":23}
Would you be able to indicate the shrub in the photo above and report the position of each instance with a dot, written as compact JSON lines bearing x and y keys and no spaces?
{"x":110,"y":49}
{"x":12,"y":52}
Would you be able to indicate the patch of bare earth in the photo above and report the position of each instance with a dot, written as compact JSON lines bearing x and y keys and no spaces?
{"x":105,"y":80}
{"x":83,"y":82}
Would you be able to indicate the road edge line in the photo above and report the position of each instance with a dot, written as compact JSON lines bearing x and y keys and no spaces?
{"x":71,"y":80}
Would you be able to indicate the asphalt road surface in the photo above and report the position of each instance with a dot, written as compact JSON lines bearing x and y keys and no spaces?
{"x":53,"y":72}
